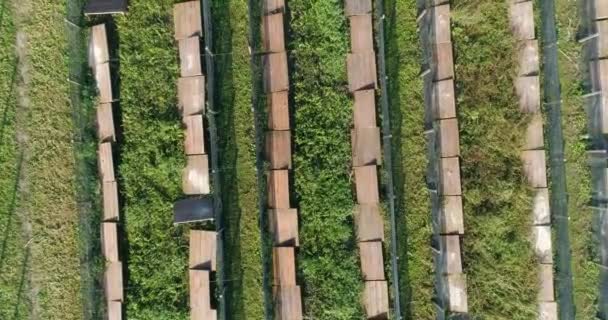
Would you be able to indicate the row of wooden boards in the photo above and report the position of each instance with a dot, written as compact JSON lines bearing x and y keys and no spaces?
{"x":283,"y":220}
{"x":99,"y":61}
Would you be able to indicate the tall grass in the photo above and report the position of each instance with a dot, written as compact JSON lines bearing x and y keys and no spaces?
{"x":328,"y":261}
{"x":498,"y":259}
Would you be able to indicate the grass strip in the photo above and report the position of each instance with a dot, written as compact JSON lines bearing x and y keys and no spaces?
{"x":328,"y":259}
{"x":497,"y":203}
{"x":585,"y":271}
{"x":407,"y":116}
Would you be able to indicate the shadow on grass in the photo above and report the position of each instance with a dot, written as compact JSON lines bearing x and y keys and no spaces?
{"x":22,"y":283}
{"x":8,"y":227}
{"x":8,"y":106}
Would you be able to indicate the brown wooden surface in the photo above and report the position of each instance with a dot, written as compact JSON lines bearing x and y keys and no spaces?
{"x":441,"y":18}
{"x":200,"y":296}
{"x":546,"y":283}
{"x":444,"y":104}
{"x":375,"y":300}
{"x":534,"y":133}
{"x":357,"y":7}
{"x":457,"y":292}
{"x":528,"y":91}
{"x":599,"y":70}
{"x":187,"y":19}
{"x":449,"y":137}
{"x":106,"y":163}
{"x":602,"y":41}
{"x":109,"y":241}
{"x":452,"y":215}
{"x":284,"y":266}
{"x":372,"y":260}
{"x":361,"y":34}
{"x":104,"y":82}
{"x":542,"y":208}
{"x":366,"y":181}
{"x":110,"y":201}
{"x":278,"y":189}
{"x":190,"y":57}
{"x":278,"y":149}
{"x":543,"y":247}
{"x":450,"y":176}
{"x":272,"y":33}
{"x":601,"y":9}
{"x":191,"y":95}
{"x":288,"y":303}
{"x":105,"y":123}
{"x":443,"y":62}
{"x":203,"y":246}
{"x":271,"y":6}
{"x":453,"y":262}
{"x":365,"y":109}
{"x":547,"y":311}
{"x":194,"y":139}
{"x":365,"y":144}
{"x":535,"y":168}
{"x":278,"y":110}
{"x":98,"y":45}
{"x":276,"y":77}
{"x":361,"y":69}
{"x":528,"y":58}
{"x":284,"y":227}
{"x":114,"y":310}
{"x":369,"y":223}
{"x":522,"y":20}
{"x":208,"y":314}
{"x":195,"y":178}
{"x":113,"y":281}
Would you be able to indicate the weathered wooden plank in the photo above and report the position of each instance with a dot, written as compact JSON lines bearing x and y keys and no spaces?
{"x":441,"y":25}
{"x":203,"y":246}
{"x":542,"y":243}
{"x":104,"y":82}
{"x":357,"y":7}
{"x":444,"y":104}
{"x":278,"y":189}
{"x":200,"y":293}
{"x":528,"y":58}
{"x":372,"y":260}
{"x":288,"y":303}
{"x":452,"y":219}
{"x":278,"y":149}
{"x":366,"y":149}
{"x":443,"y":62}
{"x":366,"y":181}
{"x":114,"y":310}
{"x":191,"y":95}
{"x":273,"y":36}
{"x":278,"y":110}
{"x":195,"y":178}
{"x":450,"y":176}
{"x":276,"y":75}
{"x":188,"y":20}
{"x":375,"y":299}
{"x":106,"y":162}
{"x":284,"y":266}
{"x":522,"y":20}
{"x":601,"y":9}
{"x":365,"y":109}
{"x":535,"y":168}
{"x":449,"y":137}
{"x":98,"y":46}
{"x":105,"y":123}
{"x":534,"y":133}
{"x":602,"y":41}
{"x":361,"y":71}
{"x":369,"y":223}
{"x":109,"y":241}
{"x":457,"y":292}
{"x":453,"y":262}
{"x":545,"y":275}
{"x":528,"y":91}
{"x":190,"y":57}
{"x":113,"y":281}
{"x":110,"y":201}
{"x":273,"y":6}
{"x":542,"y":212}
{"x":361,"y":34}
{"x":547,"y":311}
{"x":284,"y":227}
{"x":194,"y":136}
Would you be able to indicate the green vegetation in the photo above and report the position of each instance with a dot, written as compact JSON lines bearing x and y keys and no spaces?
{"x":585,"y":271}
{"x":13,"y":255}
{"x":497,"y":203}
{"x":328,"y":261}
{"x":407,"y":117}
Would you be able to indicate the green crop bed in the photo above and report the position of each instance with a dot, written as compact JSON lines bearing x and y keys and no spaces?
{"x":413,"y":208}
{"x":497,"y":203}
{"x":328,"y":260}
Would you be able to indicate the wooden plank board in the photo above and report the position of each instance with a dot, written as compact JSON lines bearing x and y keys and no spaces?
{"x":441,"y":23}
{"x":369,"y":223}
{"x":457,"y":293}
{"x":357,"y":7}
{"x":528,"y":91}
{"x":284,"y":266}
{"x":366,"y":181}
{"x":547,"y":311}
{"x":361,"y":69}
{"x":200,"y":314}
{"x":364,"y":109}
{"x":105,"y":123}
{"x":278,"y":110}
{"x":450,"y":176}
{"x":104,"y":82}
{"x":109,"y":241}
{"x":114,"y":310}
{"x":535,"y":168}
{"x":278,"y":149}
{"x":188,"y":20}
{"x":191,"y":95}
{"x":599,"y":70}
{"x":375,"y":299}
{"x":522,"y":20}
{"x":272,"y":6}
{"x":276,"y":75}
{"x":203,"y":246}
{"x":113,"y":281}
{"x":449,"y":137}
{"x":110,"y":201}
{"x":98,"y":45}
{"x":451,"y":245}
{"x":106,"y":162}
{"x":195,"y":178}
{"x":443,"y":62}
{"x":190,"y":57}
{"x":288,"y":303}
{"x":444,"y":103}
{"x":542,"y":208}
{"x":361,"y":34}
{"x":278,"y":189}
{"x":602,"y":41}
{"x":273,"y":36}
{"x":529,"y":63}
{"x":372,"y":260}
{"x":601,"y":9}
{"x":535,"y":138}
{"x":366,"y":149}
{"x":200,"y":292}
{"x":541,"y":236}
{"x":546,"y":283}
{"x":194,"y":136}
{"x":284,"y":227}
{"x":452,"y":219}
